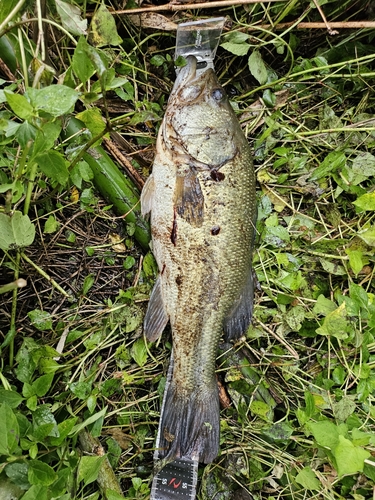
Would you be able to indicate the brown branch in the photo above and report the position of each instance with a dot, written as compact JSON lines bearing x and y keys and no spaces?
{"x":130,"y":170}
{"x":328,"y":26}
{"x":343,"y":24}
{"x":171,"y":6}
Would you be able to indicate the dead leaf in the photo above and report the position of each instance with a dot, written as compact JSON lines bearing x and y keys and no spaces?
{"x":154,"y":21}
{"x":117,"y":243}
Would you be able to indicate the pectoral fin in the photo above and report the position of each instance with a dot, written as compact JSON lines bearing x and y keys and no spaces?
{"x":238,"y":320}
{"x":156,"y":316}
{"x":147,"y":195}
{"x":189,"y":199}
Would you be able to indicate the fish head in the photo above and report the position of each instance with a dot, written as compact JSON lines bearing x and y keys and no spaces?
{"x":200,"y":121}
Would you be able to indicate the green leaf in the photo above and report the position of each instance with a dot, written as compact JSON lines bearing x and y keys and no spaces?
{"x":368,"y":236}
{"x":42,"y":320}
{"x":20,"y":105}
{"x":71,"y":18}
{"x":364,"y":164}
{"x":88,"y":283}
{"x":9,"y":430}
{"x":44,"y":423}
{"x":17,"y":472}
{"x":344,"y":408}
{"x":294,"y":318}
{"x":355,"y":260}
{"x":103,"y":28}
{"x":139,"y":352}
{"x":93,"y":120}
{"x":42,"y":384}
{"x":40,"y":473}
{"x":366,"y":202}
{"x":325,"y":433}
{"x":51,"y":225}
{"x":55,"y":100}
{"x":257,"y":67}
{"x":129,"y":262}
{"x":11,"y":398}
{"x":238,"y":49}
{"x":64,"y":429}
{"x":77,"y":428}
{"x":88,"y":469}
{"x":46,"y":137}
{"x":53,"y":165}
{"x":16,"y":230}
{"x":81,"y":63}
{"x":157,"y":60}
{"x":332,"y":267}
{"x":280,"y":431}
{"x":36,"y":492}
{"x":324,"y":306}
{"x":350,"y":459}
{"x":332,"y":162}
{"x":307,"y":478}
{"x":335,"y":323}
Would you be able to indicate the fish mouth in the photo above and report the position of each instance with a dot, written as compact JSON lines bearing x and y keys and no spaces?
{"x":187,"y":73}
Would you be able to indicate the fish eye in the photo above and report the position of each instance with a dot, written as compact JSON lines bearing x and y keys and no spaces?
{"x":217,"y":94}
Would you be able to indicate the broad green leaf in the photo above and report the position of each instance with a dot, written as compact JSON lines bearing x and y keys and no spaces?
{"x":88,"y":283}
{"x":55,"y":100}
{"x":81,"y":63}
{"x":20,"y":105}
{"x":332,"y":267}
{"x":25,"y":133}
{"x":238,"y":49}
{"x":8,"y":488}
{"x":9,"y":430}
{"x":16,"y":231}
{"x":292,"y":281}
{"x":277,"y":236}
{"x":257,"y":67}
{"x":344,"y":408}
{"x":260,"y":408}
{"x":332,"y":162}
{"x":325,"y":433}
{"x":307,"y":478}
{"x":93,"y":120}
{"x":40,"y":473}
{"x":157,"y":60}
{"x":139,"y":352}
{"x":294,"y":318}
{"x":350,"y":459}
{"x":44,"y":423}
{"x":88,"y":469}
{"x":51,"y":225}
{"x":368,"y":236}
{"x":364,"y":164}
{"x":64,"y":429}
{"x":324,"y":306}
{"x":335,"y":323}
{"x":11,"y":398}
{"x":280,"y":431}
{"x":46,"y":136}
{"x":42,"y":384}
{"x":359,"y":295}
{"x":129,"y":262}
{"x":36,"y":492}
{"x":6,"y":8}
{"x":366,"y":202}
{"x":113,"y":495}
{"x":53,"y":165}
{"x":71,"y":18}
{"x":17,"y":472}
{"x":42,"y":320}
{"x":27,"y":360}
{"x":103,"y":28}
{"x":355,"y":260}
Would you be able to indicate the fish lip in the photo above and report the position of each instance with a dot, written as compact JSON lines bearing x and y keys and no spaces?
{"x":186,"y":74}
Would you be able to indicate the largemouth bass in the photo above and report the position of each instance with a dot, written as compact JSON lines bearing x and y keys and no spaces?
{"x":201,"y":195}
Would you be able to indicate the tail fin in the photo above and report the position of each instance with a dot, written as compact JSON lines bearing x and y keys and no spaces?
{"x":190,"y":425}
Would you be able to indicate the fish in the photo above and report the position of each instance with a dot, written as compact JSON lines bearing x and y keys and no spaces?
{"x":202,"y":205}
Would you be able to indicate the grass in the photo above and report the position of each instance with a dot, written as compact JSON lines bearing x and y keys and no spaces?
{"x":298,"y":401}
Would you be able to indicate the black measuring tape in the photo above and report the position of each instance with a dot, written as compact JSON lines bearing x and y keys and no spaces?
{"x":177,"y":479}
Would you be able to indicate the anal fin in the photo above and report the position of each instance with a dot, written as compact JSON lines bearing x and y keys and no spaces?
{"x":238,"y":320}
{"x":156,"y":316}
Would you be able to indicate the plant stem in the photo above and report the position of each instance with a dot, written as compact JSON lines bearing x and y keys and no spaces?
{"x":45,"y":275}
{"x":12,"y":14}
